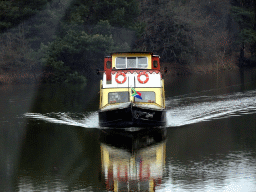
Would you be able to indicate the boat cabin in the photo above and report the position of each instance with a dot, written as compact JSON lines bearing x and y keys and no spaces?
{"x":132,"y":78}
{"x":128,"y":61}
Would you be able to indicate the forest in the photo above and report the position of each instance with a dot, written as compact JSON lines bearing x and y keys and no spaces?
{"x":65,"y":41}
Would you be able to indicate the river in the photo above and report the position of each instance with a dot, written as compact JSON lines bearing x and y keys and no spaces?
{"x":50,"y":139}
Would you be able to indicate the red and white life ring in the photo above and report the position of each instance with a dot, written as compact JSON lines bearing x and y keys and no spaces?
{"x":147,"y":77}
{"x":117,"y":75}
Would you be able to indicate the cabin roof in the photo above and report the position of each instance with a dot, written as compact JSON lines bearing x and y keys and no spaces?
{"x":139,"y":52}
{"x":132,"y":53}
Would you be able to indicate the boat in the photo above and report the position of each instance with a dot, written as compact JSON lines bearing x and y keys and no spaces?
{"x":132,"y":91}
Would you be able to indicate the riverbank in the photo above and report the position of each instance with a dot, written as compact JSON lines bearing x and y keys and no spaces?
{"x":19,"y":78}
{"x":175,"y":69}
{"x":172,"y":69}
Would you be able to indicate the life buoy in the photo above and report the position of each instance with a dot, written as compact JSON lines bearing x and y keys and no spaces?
{"x":117,"y":75}
{"x":143,"y":73}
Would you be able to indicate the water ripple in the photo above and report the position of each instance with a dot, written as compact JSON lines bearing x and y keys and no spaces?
{"x":188,"y":110}
{"x":180,"y":111}
{"x":89,"y":121}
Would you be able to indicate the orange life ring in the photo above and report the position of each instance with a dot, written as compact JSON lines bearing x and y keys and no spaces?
{"x":143,"y":73}
{"x":117,"y":75}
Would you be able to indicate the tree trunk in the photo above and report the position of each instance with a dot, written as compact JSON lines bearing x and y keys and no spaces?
{"x":241,"y":57}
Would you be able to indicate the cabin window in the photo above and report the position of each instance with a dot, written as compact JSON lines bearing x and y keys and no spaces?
{"x":108,"y":65}
{"x":120,"y":62}
{"x":147,"y":97}
{"x":155,"y":64}
{"x":131,"y":62}
{"x":142,"y":62}
{"x":118,"y":97}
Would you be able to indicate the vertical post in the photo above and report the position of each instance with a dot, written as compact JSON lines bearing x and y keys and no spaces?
{"x":241,"y":57}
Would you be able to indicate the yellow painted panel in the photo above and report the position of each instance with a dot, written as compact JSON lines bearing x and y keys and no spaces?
{"x":105,"y":156}
{"x":163,"y":93}
{"x":100,"y":93}
{"x":151,"y":185}
{"x":115,"y":185}
{"x":159,"y":155}
{"x":158,"y":94}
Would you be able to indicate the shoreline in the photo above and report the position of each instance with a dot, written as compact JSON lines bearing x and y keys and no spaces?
{"x":173,"y":69}
{"x":16,"y":78}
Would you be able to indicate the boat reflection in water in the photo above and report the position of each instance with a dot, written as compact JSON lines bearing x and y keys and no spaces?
{"x":133,"y":161}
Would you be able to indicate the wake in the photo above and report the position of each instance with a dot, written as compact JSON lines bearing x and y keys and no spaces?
{"x":180,"y":110}
{"x":87,"y":121}
{"x":188,"y":110}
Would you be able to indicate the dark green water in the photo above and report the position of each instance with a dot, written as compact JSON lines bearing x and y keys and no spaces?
{"x":50,"y":139}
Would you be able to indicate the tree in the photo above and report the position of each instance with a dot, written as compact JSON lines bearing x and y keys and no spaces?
{"x":119,"y":13}
{"x":166,"y":31}
{"x":244,"y":12}
{"x":13,"y":12}
{"x":86,"y":34}
{"x":16,"y":56}
{"x":78,"y":52}
{"x":186,"y":32}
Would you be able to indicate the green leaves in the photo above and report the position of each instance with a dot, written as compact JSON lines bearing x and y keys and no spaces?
{"x":78,"y":14}
{"x":119,"y":13}
{"x":103,"y":27}
{"x":79,"y":51}
{"x":87,"y":34}
{"x":248,"y":35}
{"x":15,"y":11}
{"x":245,"y":17}
{"x":74,"y":35}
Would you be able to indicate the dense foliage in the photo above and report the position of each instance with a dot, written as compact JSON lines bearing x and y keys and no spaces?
{"x":69,"y":38}
{"x":86,"y":35}
{"x":13,"y":12}
{"x":244,"y":13}
{"x":186,"y":32}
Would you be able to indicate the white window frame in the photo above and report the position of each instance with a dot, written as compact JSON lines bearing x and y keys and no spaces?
{"x":137,"y":61}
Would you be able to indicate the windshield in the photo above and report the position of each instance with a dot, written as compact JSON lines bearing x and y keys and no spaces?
{"x":147,"y":96}
{"x":118,"y":97}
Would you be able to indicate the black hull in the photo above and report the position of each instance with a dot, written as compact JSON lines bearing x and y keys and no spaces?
{"x":132,"y":141}
{"x":132,"y":116}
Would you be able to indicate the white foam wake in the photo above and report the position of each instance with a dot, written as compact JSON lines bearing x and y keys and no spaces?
{"x":90,"y":121}
{"x":188,"y":110}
